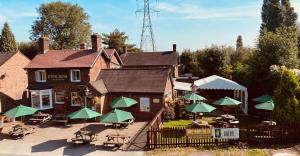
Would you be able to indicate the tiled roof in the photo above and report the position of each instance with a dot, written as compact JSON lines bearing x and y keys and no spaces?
{"x":4,"y":56}
{"x":150,"y":58}
{"x":64,"y":59}
{"x":135,"y":80}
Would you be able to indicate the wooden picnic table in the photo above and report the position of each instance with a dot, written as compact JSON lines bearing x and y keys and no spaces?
{"x":116,"y":140}
{"x":84,"y":136}
{"x":61,"y":118}
{"x":20,"y":131}
{"x":39,"y":118}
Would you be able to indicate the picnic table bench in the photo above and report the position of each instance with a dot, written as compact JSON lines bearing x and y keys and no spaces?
{"x":60,"y":118}
{"x":116,"y":140}
{"x":81,"y":136}
{"x":40,"y":118}
{"x":124,"y":124}
{"x":20,"y":131}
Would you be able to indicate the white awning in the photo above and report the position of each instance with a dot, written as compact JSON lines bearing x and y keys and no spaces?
{"x":217,"y":82}
{"x":182,"y":86}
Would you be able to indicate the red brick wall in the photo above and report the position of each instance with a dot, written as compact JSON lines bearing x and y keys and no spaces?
{"x":95,"y":70}
{"x":114,"y":61}
{"x":14,"y":82}
{"x":135,"y":109}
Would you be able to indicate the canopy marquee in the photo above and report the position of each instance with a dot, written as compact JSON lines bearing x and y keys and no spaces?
{"x":220,"y":83}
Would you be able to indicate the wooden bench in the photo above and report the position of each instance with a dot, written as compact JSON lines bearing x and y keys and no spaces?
{"x":21,"y":131}
{"x":114,"y":143}
{"x":60,"y":118}
{"x":81,"y":136}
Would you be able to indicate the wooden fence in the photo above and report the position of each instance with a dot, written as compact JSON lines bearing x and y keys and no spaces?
{"x":156,"y":121}
{"x":176,"y":137}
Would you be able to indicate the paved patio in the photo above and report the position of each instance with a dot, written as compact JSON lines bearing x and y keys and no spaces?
{"x":55,"y":139}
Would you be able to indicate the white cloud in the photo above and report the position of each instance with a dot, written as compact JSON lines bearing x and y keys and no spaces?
{"x":190,"y":11}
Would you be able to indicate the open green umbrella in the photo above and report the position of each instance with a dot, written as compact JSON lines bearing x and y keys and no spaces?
{"x":20,"y":111}
{"x":200,"y":107}
{"x":122,"y":102}
{"x":84,"y":113}
{"x":264,"y":98}
{"x":116,"y":116}
{"x":269,"y":105}
{"x":227,"y":101}
{"x":193,"y":96}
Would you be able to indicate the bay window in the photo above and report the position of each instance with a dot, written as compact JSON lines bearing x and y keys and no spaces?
{"x":41,"y":99}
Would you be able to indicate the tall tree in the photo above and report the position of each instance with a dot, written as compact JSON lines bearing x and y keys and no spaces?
{"x":29,"y":49}
{"x":66,"y":25}
{"x":117,"y":40}
{"x":289,"y":14}
{"x":287,"y":108}
{"x":239,"y":43}
{"x":298,"y":39}
{"x":7,"y":40}
{"x":271,"y":15}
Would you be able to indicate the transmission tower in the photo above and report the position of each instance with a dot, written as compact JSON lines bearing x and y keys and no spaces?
{"x":147,"y":36}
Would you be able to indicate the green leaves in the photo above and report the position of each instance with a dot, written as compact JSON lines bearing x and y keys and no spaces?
{"x":66,"y":24}
{"x":286,"y":104}
{"x":7,"y":40}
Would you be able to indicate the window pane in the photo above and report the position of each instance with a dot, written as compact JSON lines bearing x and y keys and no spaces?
{"x":45,"y":101}
{"x":59,"y":97}
{"x":35,"y":100}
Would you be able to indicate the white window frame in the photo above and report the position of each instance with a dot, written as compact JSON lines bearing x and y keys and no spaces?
{"x":73,"y":104}
{"x":37,"y":76}
{"x":141,"y":106}
{"x":59,"y":102}
{"x":71,"y":75}
{"x":41,"y":93}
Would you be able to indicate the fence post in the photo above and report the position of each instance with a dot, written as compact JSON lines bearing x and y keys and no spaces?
{"x":187,"y":143}
{"x":148,"y":139}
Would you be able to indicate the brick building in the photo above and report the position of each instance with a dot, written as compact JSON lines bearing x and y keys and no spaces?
{"x":13,"y":80}
{"x":62,"y":81}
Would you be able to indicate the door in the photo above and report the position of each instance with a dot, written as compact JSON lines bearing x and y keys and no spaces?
{"x":145,"y":104}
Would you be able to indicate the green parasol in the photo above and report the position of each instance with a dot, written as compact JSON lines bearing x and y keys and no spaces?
{"x":264,"y":98}
{"x":84,"y":113}
{"x":193,"y":96}
{"x":269,"y":105}
{"x":227,"y":101}
{"x":122,"y":102}
{"x":20,"y":111}
{"x":116,"y":116}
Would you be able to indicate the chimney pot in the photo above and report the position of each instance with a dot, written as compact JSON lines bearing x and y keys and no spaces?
{"x":83,"y":46}
{"x":44,"y":44}
{"x":174,"y":48}
{"x":96,"y":42}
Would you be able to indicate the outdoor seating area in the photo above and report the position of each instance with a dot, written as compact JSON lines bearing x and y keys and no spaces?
{"x":40,"y":118}
{"x":83,"y":136}
{"x":19,"y":131}
{"x":60,"y":118}
{"x":116,"y":140}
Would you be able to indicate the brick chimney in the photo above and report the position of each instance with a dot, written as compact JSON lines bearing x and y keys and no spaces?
{"x":96,"y":42}
{"x":174,"y":48}
{"x":44,"y":44}
{"x":82,"y":46}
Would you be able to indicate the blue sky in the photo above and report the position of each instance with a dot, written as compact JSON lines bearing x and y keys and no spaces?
{"x":190,"y":24}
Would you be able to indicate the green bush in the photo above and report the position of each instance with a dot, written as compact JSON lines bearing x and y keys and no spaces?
{"x":169,"y":113}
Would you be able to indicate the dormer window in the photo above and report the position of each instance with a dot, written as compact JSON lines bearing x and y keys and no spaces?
{"x":40,"y":76}
{"x":75,"y":76}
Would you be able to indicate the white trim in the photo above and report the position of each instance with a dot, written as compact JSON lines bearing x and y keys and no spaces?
{"x":37,"y":76}
{"x":0,"y":107}
{"x":74,"y":105}
{"x":58,"y":102}
{"x":71,"y":75}
{"x":40,"y":98}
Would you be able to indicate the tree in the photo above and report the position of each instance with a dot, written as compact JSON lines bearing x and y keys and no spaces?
{"x":29,"y":49}
{"x":239,"y":43}
{"x":117,"y":40}
{"x":7,"y":40}
{"x":287,"y":108}
{"x":290,"y":16}
{"x":186,"y":61}
{"x":277,"y":48}
{"x":271,"y":15}
{"x":214,"y":61}
{"x":298,"y":39}
{"x":66,"y":25}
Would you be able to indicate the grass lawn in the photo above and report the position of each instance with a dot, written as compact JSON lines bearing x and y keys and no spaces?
{"x":218,"y":152}
{"x":183,"y":123}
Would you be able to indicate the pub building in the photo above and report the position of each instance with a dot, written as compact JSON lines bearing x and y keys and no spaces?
{"x":63,"y":81}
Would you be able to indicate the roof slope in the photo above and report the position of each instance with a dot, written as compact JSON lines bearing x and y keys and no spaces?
{"x":217,"y":82}
{"x":64,"y":59}
{"x":135,"y":80}
{"x":4,"y":56}
{"x":150,"y":58}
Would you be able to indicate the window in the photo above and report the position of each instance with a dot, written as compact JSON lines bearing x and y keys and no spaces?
{"x":145,"y":104}
{"x":40,"y":76}
{"x":60,"y":97}
{"x":75,"y":76}
{"x":41,"y":99}
{"x":75,"y":101}
{"x":0,"y":106}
